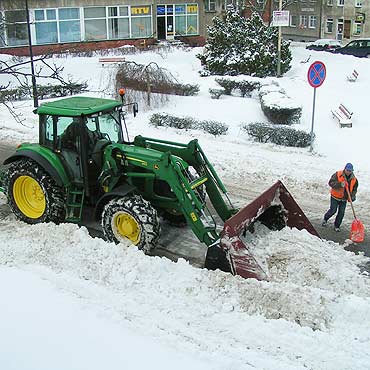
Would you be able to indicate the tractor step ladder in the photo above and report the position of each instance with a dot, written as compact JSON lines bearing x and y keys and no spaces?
{"x":75,"y":200}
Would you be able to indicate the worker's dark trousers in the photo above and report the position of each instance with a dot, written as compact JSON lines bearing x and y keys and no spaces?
{"x":335,"y":205}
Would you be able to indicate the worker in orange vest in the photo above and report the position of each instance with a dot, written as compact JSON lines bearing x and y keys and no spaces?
{"x":339,"y":182}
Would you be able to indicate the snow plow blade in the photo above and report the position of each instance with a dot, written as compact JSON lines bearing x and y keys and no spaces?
{"x":275,"y":208}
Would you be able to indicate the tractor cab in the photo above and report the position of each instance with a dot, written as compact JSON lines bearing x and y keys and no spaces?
{"x":78,"y":130}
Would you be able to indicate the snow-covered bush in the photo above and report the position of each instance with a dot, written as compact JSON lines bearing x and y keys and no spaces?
{"x":280,"y":108}
{"x":244,"y":85}
{"x":236,"y":45}
{"x":216,"y":93}
{"x":266,"y":89}
{"x":213,"y":127}
{"x":151,"y":78}
{"x":280,"y":135}
{"x":167,"y":120}
{"x":44,"y":91}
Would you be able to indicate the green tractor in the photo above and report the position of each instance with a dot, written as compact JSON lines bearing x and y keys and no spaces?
{"x":85,"y":161}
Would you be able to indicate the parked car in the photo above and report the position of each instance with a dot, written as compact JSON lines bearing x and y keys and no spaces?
{"x":358,"y":48}
{"x":324,"y":44}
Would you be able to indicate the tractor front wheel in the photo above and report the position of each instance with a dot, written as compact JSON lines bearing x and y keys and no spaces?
{"x":132,"y":219}
{"x":32,"y":194}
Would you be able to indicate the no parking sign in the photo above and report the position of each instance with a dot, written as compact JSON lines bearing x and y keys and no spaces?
{"x":316,"y":76}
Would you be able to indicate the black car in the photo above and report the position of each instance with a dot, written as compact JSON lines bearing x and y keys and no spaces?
{"x":359,"y":48}
{"x":324,"y":44}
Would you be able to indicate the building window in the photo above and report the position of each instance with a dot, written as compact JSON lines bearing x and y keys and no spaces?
{"x":340,"y":3}
{"x":357,"y":28}
{"x":303,"y":21}
{"x":118,"y":22}
{"x":95,"y":23}
{"x":358,"y":3}
{"x":329,"y":25}
{"x":293,"y":21}
{"x":46,"y":26}
{"x":16,"y":27}
{"x":329,"y":3}
{"x":141,"y":21}
{"x":210,"y":5}
{"x":2,"y":31}
{"x":69,"y":24}
{"x":312,"y":21}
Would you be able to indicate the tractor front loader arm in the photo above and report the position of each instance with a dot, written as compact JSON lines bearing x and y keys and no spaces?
{"x":193,"y":154}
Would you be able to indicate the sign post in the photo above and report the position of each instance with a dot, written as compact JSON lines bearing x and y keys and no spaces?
{"x":280,"y":18}
{"x":316,"y":75}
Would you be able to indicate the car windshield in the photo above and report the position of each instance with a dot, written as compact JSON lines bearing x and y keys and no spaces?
{"x":108,"y":125}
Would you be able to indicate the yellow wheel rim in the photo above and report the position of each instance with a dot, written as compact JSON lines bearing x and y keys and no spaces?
{"x":29,"y":197}
{"x":125,"y":226}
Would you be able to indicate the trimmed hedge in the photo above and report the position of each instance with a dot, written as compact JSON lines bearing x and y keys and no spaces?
{"x":280,"y":109}
{"x":212,"y":127}
{"x":244,"y":87}
{"x":280,"y":135}
{"x":43,"y":91}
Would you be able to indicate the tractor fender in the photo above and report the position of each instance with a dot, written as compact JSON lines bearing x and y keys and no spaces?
{"x":42,"y":161}
{"x":118,"y":192}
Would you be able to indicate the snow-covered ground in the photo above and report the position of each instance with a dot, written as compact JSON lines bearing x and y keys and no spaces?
{"x":69,"y":301}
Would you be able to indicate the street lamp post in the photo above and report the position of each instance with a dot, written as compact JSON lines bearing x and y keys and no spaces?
{"x":34,"y":87}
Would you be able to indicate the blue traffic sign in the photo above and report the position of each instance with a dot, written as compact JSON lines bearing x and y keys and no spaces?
{"x":316,"y":74}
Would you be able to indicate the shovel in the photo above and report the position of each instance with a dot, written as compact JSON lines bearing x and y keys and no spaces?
{"x":357,"y":234}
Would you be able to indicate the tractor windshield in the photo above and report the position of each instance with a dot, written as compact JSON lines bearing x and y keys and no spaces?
{"x":107,"y":125}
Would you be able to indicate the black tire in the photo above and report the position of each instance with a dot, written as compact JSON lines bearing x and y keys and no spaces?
{"x":143,"y":228}
{"x":32,"y":194}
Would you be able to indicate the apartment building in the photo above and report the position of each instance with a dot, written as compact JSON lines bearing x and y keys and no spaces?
{"x":335,"y":19}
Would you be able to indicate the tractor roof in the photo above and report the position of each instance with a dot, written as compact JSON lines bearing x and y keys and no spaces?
{"x":77,"y":106}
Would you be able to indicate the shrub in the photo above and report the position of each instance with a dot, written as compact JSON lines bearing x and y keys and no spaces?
{"x":280,"y":135}
{"x":280,"y":109}
{"x":244,"y":86}
{"x":227,"y":84}
{"x":166,"y":120}
{"x":56,"y":91}
{"x":44,"y":91}
{"x":213,"y":127}
{"x":152,"y":79}
{"x":216,"y":93}
{"x":238,"y":45}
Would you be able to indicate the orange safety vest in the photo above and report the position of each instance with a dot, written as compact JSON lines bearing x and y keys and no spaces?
{"x":339,"y":193}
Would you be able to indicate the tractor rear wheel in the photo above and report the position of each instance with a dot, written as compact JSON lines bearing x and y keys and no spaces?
{"x":32,"y":194}
{"x":132,"y":219}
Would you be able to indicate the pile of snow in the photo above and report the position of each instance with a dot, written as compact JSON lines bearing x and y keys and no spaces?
{"x":310,"y":314}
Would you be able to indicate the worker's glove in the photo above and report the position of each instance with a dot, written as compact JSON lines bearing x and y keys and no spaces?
{"x":353,"y":197}
{"x":342,"y":184}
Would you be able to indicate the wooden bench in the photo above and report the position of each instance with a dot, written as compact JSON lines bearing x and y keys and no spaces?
{"x":343,"y":115}
{"x":353,"y":77}
{"x":110,"y":60}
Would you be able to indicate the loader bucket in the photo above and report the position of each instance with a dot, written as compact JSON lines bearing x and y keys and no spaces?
{"x":275,"y":208}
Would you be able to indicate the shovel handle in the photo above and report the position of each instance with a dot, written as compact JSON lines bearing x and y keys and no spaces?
{"x":350,"y":201}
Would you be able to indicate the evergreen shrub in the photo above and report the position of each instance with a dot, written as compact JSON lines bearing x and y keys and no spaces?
{"x":237,"y":45}
{"x":244,"y":86}
{"x":280,"y":109}
{"x":167,"y":120}
{"x":216,"y":93}
{"x":279,"y":135}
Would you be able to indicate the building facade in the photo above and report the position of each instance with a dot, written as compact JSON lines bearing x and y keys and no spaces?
{"x":63,"y":23}
{"x":333,"y":19}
